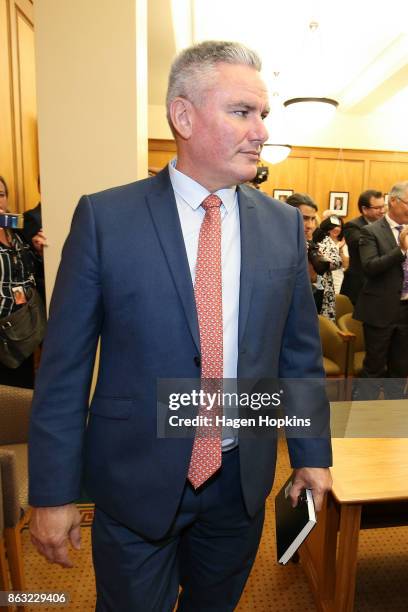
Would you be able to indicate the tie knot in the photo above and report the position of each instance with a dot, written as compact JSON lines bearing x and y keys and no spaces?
{"x":211,"y":201}
{"x":399,"y":228}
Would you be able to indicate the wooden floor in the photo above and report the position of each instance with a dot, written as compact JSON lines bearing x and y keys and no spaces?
{"x":382,"y":576}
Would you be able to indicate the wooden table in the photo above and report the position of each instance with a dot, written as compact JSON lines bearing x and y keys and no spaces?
{"x":370,"y":479}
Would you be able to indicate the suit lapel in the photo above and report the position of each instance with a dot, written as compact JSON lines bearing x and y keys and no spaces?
{"x":163,"y":209}
{"x":248,"y":225}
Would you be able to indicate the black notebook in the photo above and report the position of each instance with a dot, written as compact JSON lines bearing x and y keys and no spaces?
{"x":293,"y":525}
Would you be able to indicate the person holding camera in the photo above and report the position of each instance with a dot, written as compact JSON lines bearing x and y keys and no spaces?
{"x":18,"y":261}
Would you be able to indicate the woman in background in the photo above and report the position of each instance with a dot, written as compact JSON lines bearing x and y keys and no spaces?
{"x":17,"y":265}
{"x":331,"y":244}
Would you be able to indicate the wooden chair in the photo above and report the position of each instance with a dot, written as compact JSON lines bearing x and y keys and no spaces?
{"x":349,"y":325}
{"x":15,"y":405}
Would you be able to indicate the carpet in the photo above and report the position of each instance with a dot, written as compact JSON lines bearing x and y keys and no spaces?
{"x":382,"y":574}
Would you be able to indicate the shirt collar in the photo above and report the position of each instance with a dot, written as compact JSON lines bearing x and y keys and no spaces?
{"x":393,"y":224}
{"x":193,"y":193}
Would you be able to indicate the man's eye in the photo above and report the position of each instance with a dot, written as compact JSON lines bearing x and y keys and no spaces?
{"x":241,"y":113}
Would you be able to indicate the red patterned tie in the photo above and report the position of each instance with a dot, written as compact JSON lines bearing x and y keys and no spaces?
{"x":206,"y":455}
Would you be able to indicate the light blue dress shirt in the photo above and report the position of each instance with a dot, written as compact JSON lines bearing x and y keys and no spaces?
{"x":189,"y":194}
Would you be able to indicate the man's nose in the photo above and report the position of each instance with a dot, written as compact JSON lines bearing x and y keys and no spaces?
{"x":259,"y":131}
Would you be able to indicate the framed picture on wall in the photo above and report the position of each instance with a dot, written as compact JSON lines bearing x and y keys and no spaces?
{"x":282,"y":194}
{"x":338,"y":202}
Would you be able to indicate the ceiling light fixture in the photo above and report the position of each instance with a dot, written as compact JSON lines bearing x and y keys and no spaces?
{"x":311,"y":112}
{"x":275,"y":153}
{"x":314,"y":111}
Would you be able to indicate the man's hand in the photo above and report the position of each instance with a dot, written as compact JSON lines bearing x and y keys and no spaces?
{"x":50,"y":530}
{"x":319,"y":480}
{"x":403,"y":239}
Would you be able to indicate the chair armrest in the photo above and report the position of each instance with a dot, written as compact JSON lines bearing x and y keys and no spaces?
{"x":15,"y":408}
{"x":346,"y":336}
{"x":11,"y":502}
{"x":349,"y":338}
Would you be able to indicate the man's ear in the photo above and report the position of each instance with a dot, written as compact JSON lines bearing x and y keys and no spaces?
{"x":181,"y":111}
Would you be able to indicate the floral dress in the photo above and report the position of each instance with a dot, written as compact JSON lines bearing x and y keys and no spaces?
{"x":328,"y":249}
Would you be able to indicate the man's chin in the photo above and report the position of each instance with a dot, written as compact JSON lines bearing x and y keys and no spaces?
{"x":249,"y":174}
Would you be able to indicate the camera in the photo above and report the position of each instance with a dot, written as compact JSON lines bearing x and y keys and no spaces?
{"x":262,"y":173}
{"x":11,"y":220}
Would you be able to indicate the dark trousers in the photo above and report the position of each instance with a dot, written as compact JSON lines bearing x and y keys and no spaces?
{"x":209,"y":551}
{"x":386,"y":357}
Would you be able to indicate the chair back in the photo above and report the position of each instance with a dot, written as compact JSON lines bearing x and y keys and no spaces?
{"x":343,"y":306}
{"x":333,"y":346}
{"x":15,"y":407}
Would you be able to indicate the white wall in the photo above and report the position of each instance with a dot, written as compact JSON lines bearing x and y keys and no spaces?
{"x":92,"y":105}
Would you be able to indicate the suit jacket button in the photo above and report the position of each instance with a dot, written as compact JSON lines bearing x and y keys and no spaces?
{"x":197,"y":361}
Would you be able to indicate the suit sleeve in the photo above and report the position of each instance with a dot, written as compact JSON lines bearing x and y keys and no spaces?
{"x":373,"y":263}
{"x":301,"y":358}
{"x":63,"y":382}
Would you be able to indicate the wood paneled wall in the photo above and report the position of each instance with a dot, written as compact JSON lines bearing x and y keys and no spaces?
{"x":18,"y":110}
{"x":318,"y":171}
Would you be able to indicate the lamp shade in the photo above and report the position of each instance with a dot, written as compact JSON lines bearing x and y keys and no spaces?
{"x":275,"y":153}
{"x":312,"y":112}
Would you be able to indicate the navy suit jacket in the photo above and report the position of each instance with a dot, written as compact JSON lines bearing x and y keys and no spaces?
{"x":124,"y":278}
{"x":354,"y":275}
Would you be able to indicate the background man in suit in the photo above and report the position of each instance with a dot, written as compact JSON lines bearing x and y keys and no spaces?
{"x":137,"y":272}
{"x":383,"y":301}
{"x":371,"y":206}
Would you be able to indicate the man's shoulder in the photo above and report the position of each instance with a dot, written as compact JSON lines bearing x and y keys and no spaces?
{"x":266,"y":203}
{"x":377,"y":227}
{"x":357,"y":222}
{"x":130,"y":192}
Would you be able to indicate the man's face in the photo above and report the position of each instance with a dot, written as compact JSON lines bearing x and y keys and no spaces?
{"x":227,"y":129}
{"x":375,"y":210}
{"x":398,"y":208}
{"x":309,"y":220}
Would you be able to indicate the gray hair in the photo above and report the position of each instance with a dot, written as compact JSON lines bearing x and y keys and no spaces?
{"x":195,"y":67}
{"x":398,"y":190}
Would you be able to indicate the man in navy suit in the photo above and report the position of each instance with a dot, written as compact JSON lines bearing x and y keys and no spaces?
{"x":128,"y":276}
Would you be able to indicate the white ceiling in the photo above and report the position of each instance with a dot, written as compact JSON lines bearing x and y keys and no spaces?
{"x":358,"y":55}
